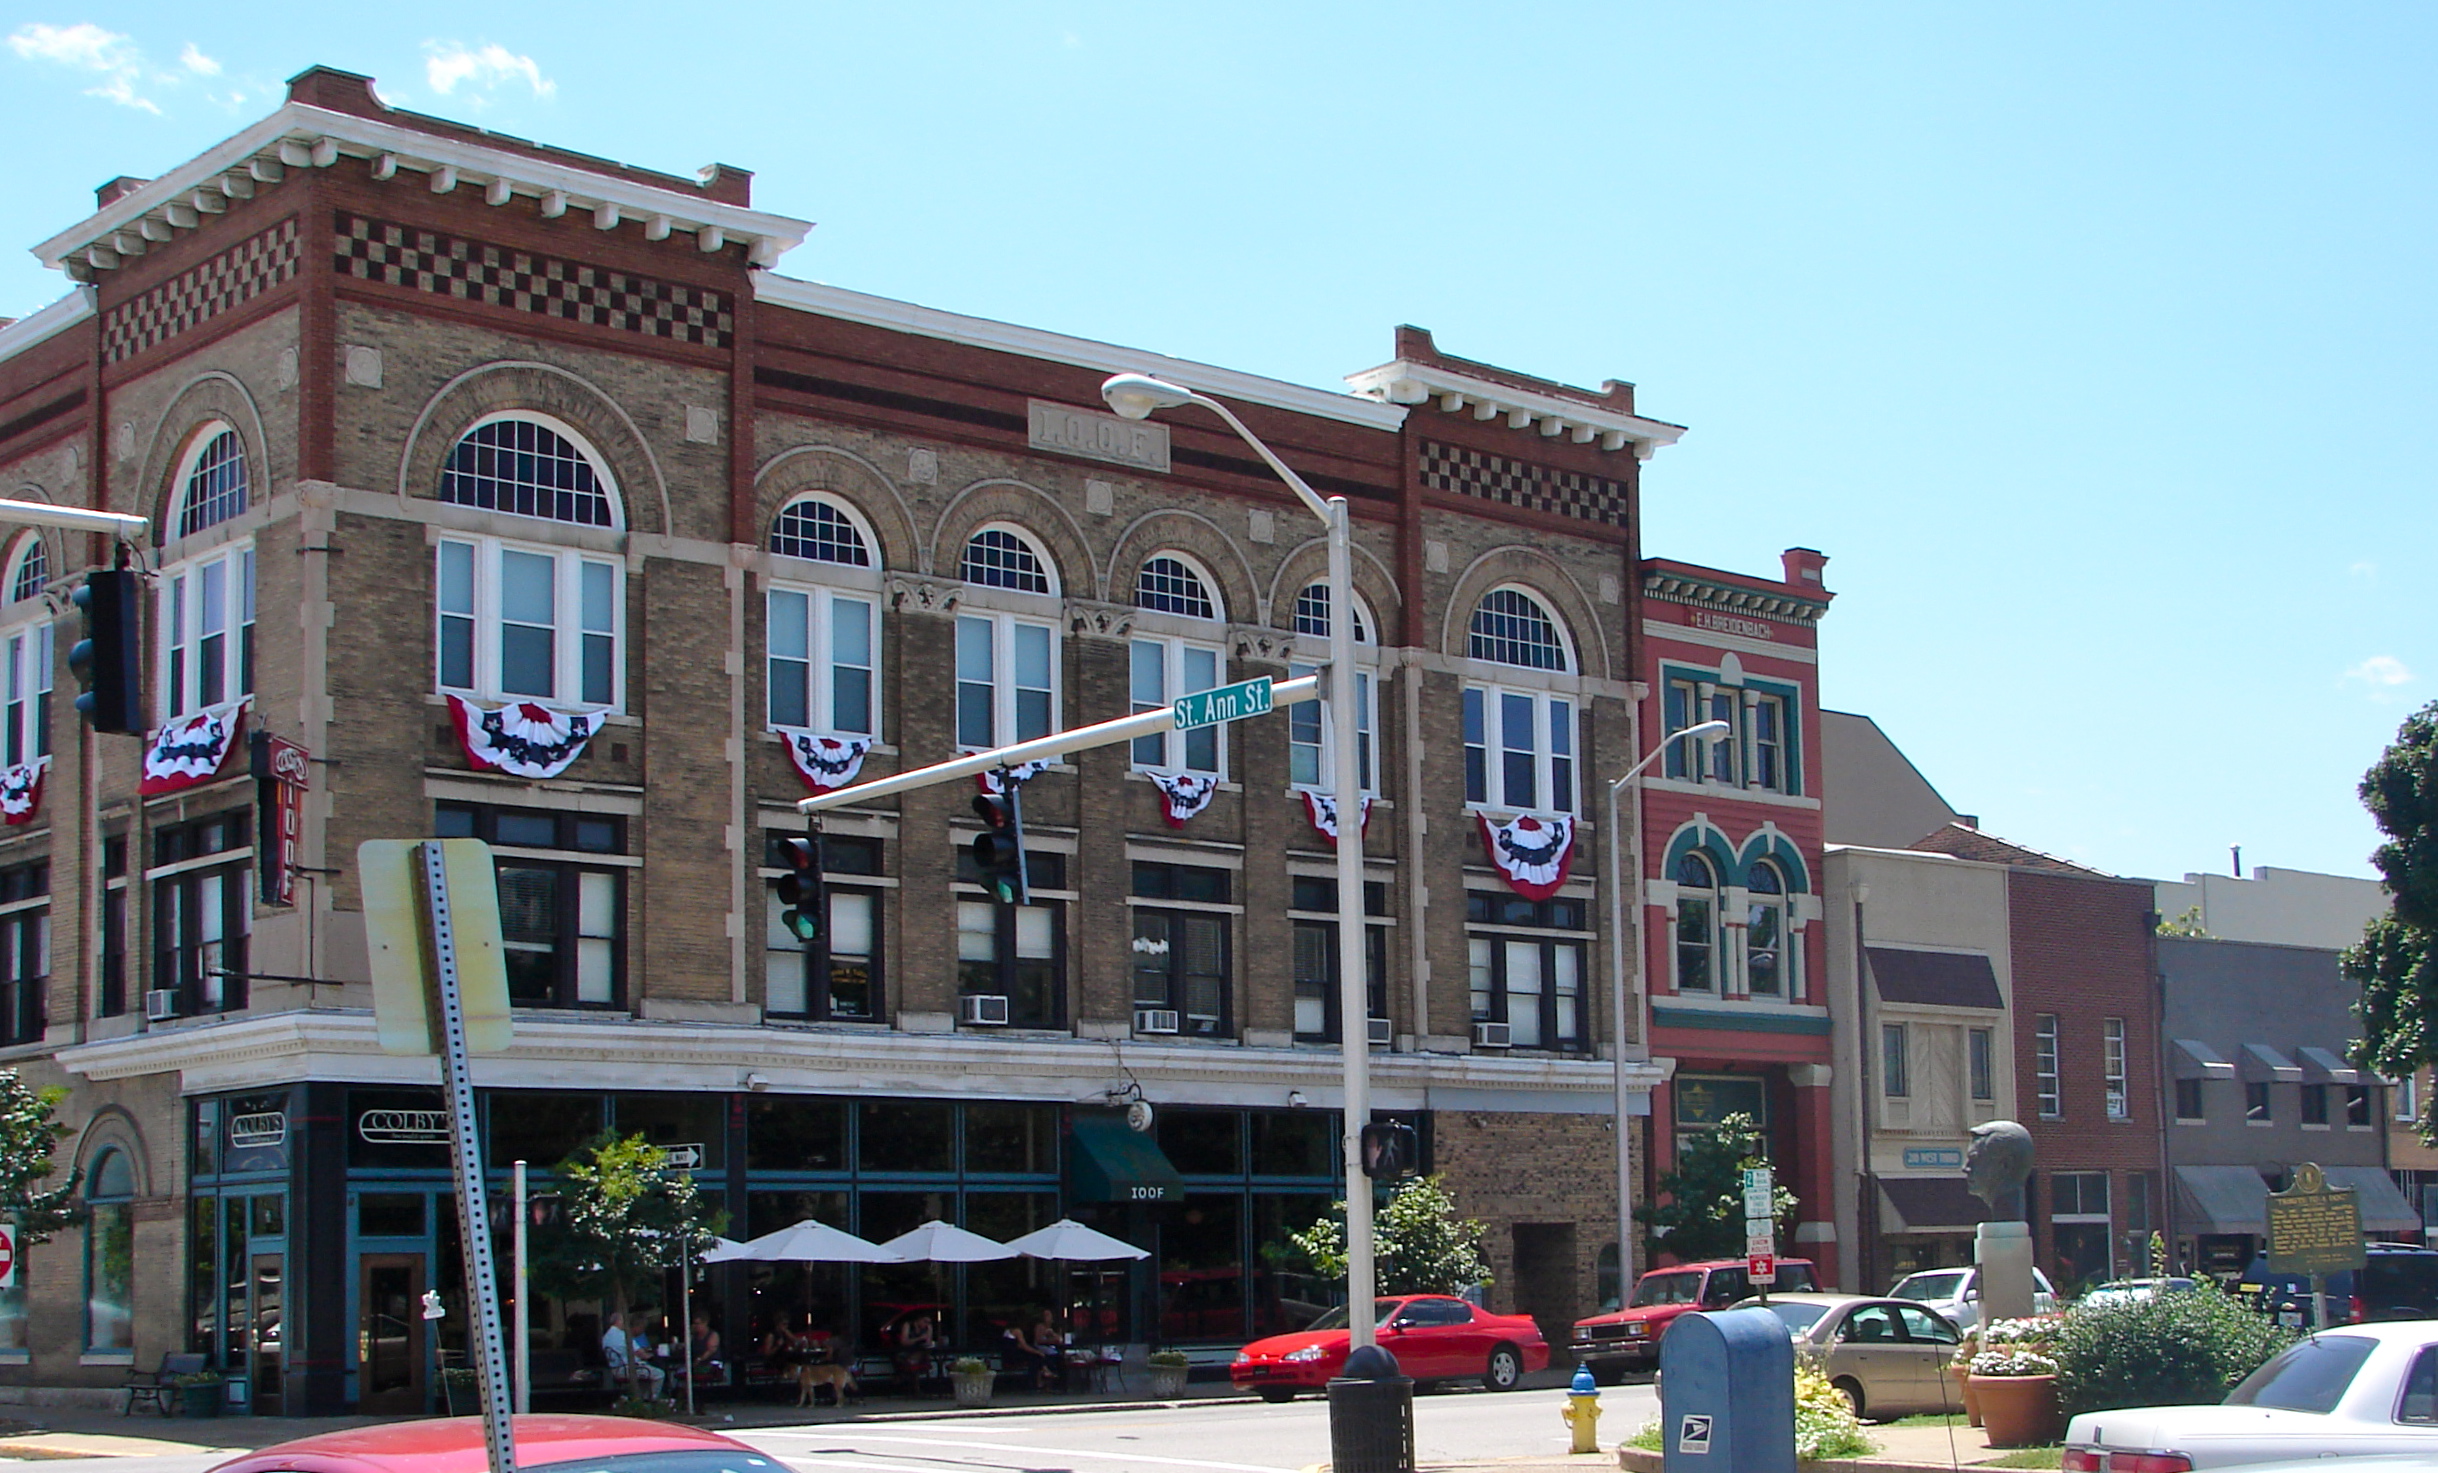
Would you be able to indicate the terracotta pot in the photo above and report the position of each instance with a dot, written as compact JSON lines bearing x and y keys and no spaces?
{"x":2019,"y":1411}
{"x":1965,"y":1394}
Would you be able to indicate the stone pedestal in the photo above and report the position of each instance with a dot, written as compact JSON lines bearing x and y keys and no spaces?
{"x":2004,"y":1252}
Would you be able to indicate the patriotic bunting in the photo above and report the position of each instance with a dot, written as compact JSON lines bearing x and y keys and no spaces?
{"x":522,"y":739}
{"x":1187,"y":794}
{"x":193,"y":749}
{"x":21,"y":790}
{"x":822,"y":760}
{"x":1022,"y":772}
{"x":1322,"y":810}
{"x":1531,"y":854}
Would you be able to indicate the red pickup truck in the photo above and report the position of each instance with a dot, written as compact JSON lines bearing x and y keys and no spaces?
{"x":1628,"y":1339}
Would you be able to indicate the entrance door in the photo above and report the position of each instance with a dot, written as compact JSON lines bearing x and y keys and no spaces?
{"x":389,"y":1335}
{"x":266,"y":1321}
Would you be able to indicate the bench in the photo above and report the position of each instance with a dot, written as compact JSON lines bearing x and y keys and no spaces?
{"x":154,"y":1387}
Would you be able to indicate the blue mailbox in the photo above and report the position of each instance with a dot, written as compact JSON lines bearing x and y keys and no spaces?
{"x":1727,"y":1394}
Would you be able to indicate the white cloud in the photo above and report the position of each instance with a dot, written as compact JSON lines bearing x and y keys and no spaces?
{"x":2380,"y":670}
{"x":481,"y":68}
{"x":193,"y":59}
{"x":86,"y":47}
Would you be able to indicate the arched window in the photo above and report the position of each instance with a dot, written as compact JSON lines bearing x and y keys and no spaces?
{"x":26,"y":654}
{"x":1312,"y":614}
{"x":1765,"y":931}
{"x":1511,"y":628}
{"x":824,"y":641}
{"x":526,"y":467}
{"x":1308,"y":722}
{"x":214,"y":487}
{"x":32,"y":571}
{"x":1696,"y":924}
{"x":1164,"y":667}
{"x":110,"y":1253}
{"x":997,"y":558}
{"x":1166,"y":585}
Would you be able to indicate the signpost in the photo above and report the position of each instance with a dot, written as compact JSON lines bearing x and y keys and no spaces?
{"x":1760,"y":1228}
{"x":1222,"y":703}
{"x":2315,"y":1229}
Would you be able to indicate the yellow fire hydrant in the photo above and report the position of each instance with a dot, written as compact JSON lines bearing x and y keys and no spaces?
{"x":1582,"y":1411}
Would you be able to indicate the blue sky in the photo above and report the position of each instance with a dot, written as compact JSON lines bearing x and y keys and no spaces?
{"x":2091,"y":341}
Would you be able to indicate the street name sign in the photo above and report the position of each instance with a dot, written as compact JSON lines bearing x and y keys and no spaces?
{"x":1222,"y":703}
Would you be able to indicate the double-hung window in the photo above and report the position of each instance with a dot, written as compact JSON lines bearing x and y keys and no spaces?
{"x":1519,"y":742}
{"x":2357,"y":1107}
{"x":1014,"y":952}
{"x":1007,"y":662}
{"x":562,"y":899}
{"x":1979,"y":1045}
{"x":1696,"y":925}
{"x":1182,"y":918}
{"x":1527,"y":967}
{"x":1895,"y":1065}
{"x":25,"y":951}
{"x":110,"y":1254}
{"x":206,"y":619}
{"x":2118,"y":1069}
{"x":1313,"y":909}
{"x":1759,"y":750}
{"x":2046,"y":1083}
{"x":836,"y":978}
{"x":1766,"y":953}
{"x":28,"y":655}
{"x":1690,"y":702}
{"x":2315,"y":1105}
{"x":201,"y":912}
{"x":1173,"y":595}
{"x":1310,"y":757}
{"x":824,"y":640}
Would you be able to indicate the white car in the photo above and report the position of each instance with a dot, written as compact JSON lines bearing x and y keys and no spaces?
{"x":2364,"y":1390}
{"x":1956,"y":1293}
{"x":2132,"y":1291}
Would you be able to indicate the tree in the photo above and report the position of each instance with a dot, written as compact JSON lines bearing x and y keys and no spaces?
{"x":28,"y":1135}
{"x":2187,"y":926}
{"x":1419,"y":1244}
{"x":2396,"y":962}
{"x":1700,"y":1214}
{"x":628,"y":1217}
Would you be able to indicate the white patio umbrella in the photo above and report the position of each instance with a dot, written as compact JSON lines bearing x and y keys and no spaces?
{"x":939,"y":1242}
{"x":1069,"y":1240}
{"x":804,"y":1242}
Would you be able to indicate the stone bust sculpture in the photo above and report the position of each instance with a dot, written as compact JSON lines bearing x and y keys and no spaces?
{"x":1996,"y":1165}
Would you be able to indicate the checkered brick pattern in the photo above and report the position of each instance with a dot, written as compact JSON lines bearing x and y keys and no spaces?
{"x":1462,"y":472}
{"x":470,"y":271}
{"x":201,"y":293}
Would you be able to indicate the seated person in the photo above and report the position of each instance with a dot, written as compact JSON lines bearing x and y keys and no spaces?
{"x":916,"y":1335}
{"x":1050,"y":1347}
{"x":628,"y":1357}
{"x":703,"y":1348}
{"x":1017,"y":1355}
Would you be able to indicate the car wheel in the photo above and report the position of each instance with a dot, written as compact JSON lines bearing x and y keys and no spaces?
{"x":1851,"y":1390}
{"x":1276,"y":1394}
{"x":1506,"y":1370}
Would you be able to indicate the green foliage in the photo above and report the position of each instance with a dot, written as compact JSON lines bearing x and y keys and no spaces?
{"x":2187,"y":925}
{"x":1825,"y":1425}
{"x":1700,"y":1214}
{"x":2184,"y":1348}
{"x":28,"y":1136}
{"x":1419,"y":1244}
{"x":629,"y":1218}
{"x":2396,"y":962}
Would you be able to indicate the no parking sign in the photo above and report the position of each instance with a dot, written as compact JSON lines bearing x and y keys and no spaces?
{"x":8,"y":1257}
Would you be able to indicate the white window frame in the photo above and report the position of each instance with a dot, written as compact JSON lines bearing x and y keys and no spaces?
{"x":180,"y":613}
{"x":1004,"y":690}
{"x":1710,"y":896}
{"x":569,"y":628}
{"x":1981,"y":1065}
{"x":2118,"y":1069}
{"x":2082,"y":1181}
{"x":584,"y":447}
{"x":27,"y":652}
{"x":2047,"y":1083}
{"x":1174,"y":750}
{"x":1311,"y":725}
{"x":819,"y":620}
{"x":1781,"y":906}
{"x":2408,"y":1098}
{"x":1895,"y":1061}
{"x":1494,"y":747}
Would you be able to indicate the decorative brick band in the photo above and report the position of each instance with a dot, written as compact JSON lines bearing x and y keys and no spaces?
{"x":501,"y":276}
{"x":1462,"y":472}
{"x":200,"y":293}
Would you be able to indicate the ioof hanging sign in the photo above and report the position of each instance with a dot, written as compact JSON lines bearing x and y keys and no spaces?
{"x":283,"y":771}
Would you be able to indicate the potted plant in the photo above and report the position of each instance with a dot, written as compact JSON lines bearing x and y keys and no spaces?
{"x":1168,"y":1368}
{"x":2015,"y":1379}
{"x":200,"y":1392}
{"x":970,"y":1377}
{"x":1960,"y":1368}
{"x":464,"y":1390}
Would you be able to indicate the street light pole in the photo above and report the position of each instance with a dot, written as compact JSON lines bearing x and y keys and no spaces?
{"x":1625,"y":961}
{"x":1135,"y":396}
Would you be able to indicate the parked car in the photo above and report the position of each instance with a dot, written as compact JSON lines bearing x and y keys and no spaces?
{"x":1433,"y":1336}
{"x":2132,"y":1291}
{"x":455,"y":1445}
{"x":1628,"y":1339}
{"x":1889,"y":1356}
{"x":1956,"y":1292}
{"x":2397,"y":1281}
{"x":2366,"y":1390}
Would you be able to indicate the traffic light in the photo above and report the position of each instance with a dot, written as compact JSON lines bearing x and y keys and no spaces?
{"x":999,"y":849}
{"x":804,"y":890}
{"x":105,"y":660}
{"x":1390,"y":1150}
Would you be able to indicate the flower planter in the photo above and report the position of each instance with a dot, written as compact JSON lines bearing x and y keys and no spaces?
{"x":1970,"y":1400}
{"x":1167,"y":1382}
{"x":2019,"y":1411}
{"x":971,"y":1388}
{"x":201,"y":1401}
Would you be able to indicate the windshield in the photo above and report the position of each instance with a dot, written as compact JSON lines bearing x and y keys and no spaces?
{"x":1667,"y":1289}
{"x":689,"y":1460}
{"x":2311,"y":1377}
{"x":1929,"y":1286}
{"x":1798,"y":1317}
{"x":1335,"y":1319}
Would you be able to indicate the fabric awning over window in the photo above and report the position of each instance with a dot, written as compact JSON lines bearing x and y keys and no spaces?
{"x":1946,"y":979}
{"x":2221,"y":1199}
{"x":2194,"y":1059}
{"x":2384,"y":1208}
{"x":1930,"y":1204}
{"x":1106,"y":1162}
{"x":2323,"y":1064}
{"x":2264,"y":1065}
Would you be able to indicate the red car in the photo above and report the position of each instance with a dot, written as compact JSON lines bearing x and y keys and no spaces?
{"x":1628,"y":1339}
{"x":455,"y":1445}
{"x":1433,"y":1337}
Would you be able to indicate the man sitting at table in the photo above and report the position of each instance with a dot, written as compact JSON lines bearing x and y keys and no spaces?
{"x":629,"y":1360}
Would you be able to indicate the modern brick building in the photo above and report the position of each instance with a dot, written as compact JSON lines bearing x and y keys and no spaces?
{"x":514,"y":488}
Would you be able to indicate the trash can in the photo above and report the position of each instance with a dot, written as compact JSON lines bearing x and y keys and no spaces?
{"x":1371,"y":1415}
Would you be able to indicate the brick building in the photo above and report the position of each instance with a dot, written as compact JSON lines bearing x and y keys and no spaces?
{"x":515,"y":488}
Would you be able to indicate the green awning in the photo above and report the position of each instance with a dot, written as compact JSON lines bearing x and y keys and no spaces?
{"x":1106,"y":1162}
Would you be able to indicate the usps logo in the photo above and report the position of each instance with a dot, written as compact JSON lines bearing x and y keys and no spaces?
{"x":1693,"y":1434}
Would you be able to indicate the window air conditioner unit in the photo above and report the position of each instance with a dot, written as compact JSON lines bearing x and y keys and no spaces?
{"x":1379,"y":1032}
{"x":161,"y":1003}
{"x":987,"y":1011}
{"x":1490,"y":1035}
{"x":1155,"y":1020}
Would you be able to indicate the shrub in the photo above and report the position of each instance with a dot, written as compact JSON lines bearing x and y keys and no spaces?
{"x":2177,"y":1349}
{"x":1175,"y":1360}
{"x":1824,"y":1419}
{"x":969,"y":1365}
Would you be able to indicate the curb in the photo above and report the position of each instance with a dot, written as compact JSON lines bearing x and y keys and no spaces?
{"x":957,"y":1413}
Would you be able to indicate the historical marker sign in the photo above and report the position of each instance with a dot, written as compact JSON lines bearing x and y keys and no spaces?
{"x":2314,"y":1228}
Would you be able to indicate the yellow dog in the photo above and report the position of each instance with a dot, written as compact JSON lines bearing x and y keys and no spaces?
{"x":839,"y":1379}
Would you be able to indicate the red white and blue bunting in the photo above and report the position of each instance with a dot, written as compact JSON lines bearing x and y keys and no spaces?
{"x":21,"y":790}
{"x":522,"y":739}
{"x":1531,"y":854}
{"x":1187,"y":793}
{"x":822,"y":760}
{"x":1322,"y":810}
{"x":193,"y":749}
{"x":1022,"y":772}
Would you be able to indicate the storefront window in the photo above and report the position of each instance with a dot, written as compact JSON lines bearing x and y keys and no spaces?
{"x":1294,"y":1143}
{"x":1202,"y":1270}
{"x":541,"y":1128}
{"x":892,"y":1291}
{"x":399,"y":1130}
{"x":1012,"y":1290}
{"x":795,"y":1294}
{"x":1011,"y":1140}
{"x":908,"y":1136}
{"x":1286,"y":1295}
{"x":110,"y":1254}
{"x":390,"y":1215}
{"x":795,"y":1133}
{"x":687,"y":1125}
{"x":1203,"y":1142}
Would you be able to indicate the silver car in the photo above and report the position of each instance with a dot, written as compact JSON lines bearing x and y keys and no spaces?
{"x":1956,"y":1293}
{"x":1889,"y":1356}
